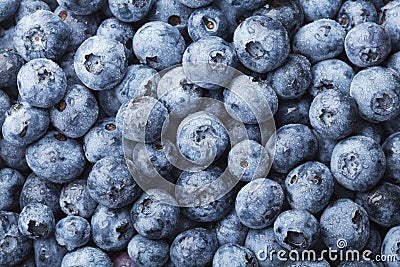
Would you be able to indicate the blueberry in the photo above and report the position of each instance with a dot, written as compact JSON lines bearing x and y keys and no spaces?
{"x":367,"y":44}
{"x":248,"y":160}
{"x":319,"y":40}
{"x":72,"y":232}
{"x":79,"y":8}
{"x":172,"y":12}
{"x":202,"y":138}
{"x":108,"y":101}
{"x":67,"y":64}
{"x":376,"y":91}
{"x":314,"y":10}
{"x":292,"y":79}
{"x":76,"y":112}
{"x":358,"y":163}
{"x":194,"y":247}
{"x":5,"y":104}
{"x":159,"y":45}
{"x":390,"y":245}
{"x":15,"y":246}
{"x":293,"y":111}
{"x":111,"y":228}
{"x":178,"y":94}
{"x":110,"y":183}
{"x":369,"y":129}
{"x":296,"y":229}
{"x":355,"y":12}
{"x":88,"y":257}
{"x":239,"y":132}
{"x":288,"y":12}
{"x":122,"y":259}
{"x":262,"y":242}
{"x":130,"y":11}
{"x":331,"y":74}
{"x":120,"y":117}
{"x":144,"y":119}
{"x":391,"y":149}
{"x":24,"y":124}
{"x":209,"y":62}
{"x":10,"y":63}
{"x":392,"y":126}
{"x":250,"y":106}
{"x":207,"y":21}
{"x":13,"y":156}
{"x":81,"y":27}
{"x":155,"y":214}
{"x":56,"y":158}
{"x":75,"y":199}
{"x":247,"y":4}
{"x":295,"y":143}
{"x":390,"y":21}
{"x":325,"y":148}
{"x":234,"y":15}
{"x":40,"y":190}
{"x":103,"y":140}
{"x":41,"y":34}
{"x":381,"y":204}
{"x":100,"y":63}
{"x":36,"y":221}
{"x":231,"y":230}
{"x":151,"y":160}
{"x":28,"y":7}
{"x":333,"y":114}
{"x":117,"y":30}
{"x":261,"y":43}
{"x":8,"y":8}
{"x":344,"y":220}
{"x":230,"y":254}
{"x":204,"y":205}
{"x":146,"y":252}
{"x":196,"y":3}
{"x":374,"y":242}
{"x":11,"y":183}
{"x":41,"y":83}
{"x":259,"y":202}
{"x":309,"y":186}
{"x":48,"y":252}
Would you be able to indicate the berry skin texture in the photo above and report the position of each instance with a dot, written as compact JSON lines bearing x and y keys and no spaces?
{"x":75,"y":199}
{"x":41,"y":83}
{"x":333,"y":114}
{"x":11,"y":183}
{"x":111,"y":184}
{"x":24,"y":124}
{"x":48,"y":252}
{"x":5,"y":104}
{"x":88,"y":257}
{"x":295,"y":143}
{"x":358,"y":163}
{"x":75,"y":114}
{"x":111,"y":228}
{"x":259,"y":202}
{"x":381,"y":204}
{"x":8,"y":8}
{"x":377,"y":93}
{"x":309,"y":186}
{"x":296,"y":229}
{"x":355,"y":12}
{"x":391,"y":149}
{"x":230,"y":254}
{"x":159,"y":45}
{"x":194,"y":247}
{"x":56,"y":158}
{"x":261,"y":43}
{"x":207,"y":21}
{"x":196,"y":3}
{"x":36,"y":221}
{"x":16,"y":246}
{"x":147,"y":252}
{"x":345,"y":218}
{"x":100,"y":63}
{"x":130,"y":11}
{"x":10,"y":63}
{"x":81,"y":8}
{"x":248,"y":160}
{"x":231,"y":230}
{"x":367,"y":44}
{"x":390,"y":21}
{"x":30,"y":7}
{"x":319,"y":40}
{"x":41,"y":34}
{"x":152,"y":215}
{"x":390,"y":245}
{"x":72,"y":232}
{"x":319,"y":9}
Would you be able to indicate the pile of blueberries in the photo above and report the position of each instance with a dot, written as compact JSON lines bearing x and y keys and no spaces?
{"x":101,"y":97}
